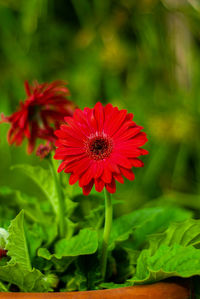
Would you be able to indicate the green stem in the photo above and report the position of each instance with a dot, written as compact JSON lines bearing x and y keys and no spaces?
{"x":61,"y":203}
{"x":107,"y":230}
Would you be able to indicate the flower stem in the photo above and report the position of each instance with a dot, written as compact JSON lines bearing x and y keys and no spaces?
{"x":61,"y":203}
{"x":106,"y":233}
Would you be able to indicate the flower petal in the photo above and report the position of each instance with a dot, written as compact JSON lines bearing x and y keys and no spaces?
{"x":111,"y":187}
{"x":88,"y":188}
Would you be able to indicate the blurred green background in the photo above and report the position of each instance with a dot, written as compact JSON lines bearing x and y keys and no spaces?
{"x":143,"y":56}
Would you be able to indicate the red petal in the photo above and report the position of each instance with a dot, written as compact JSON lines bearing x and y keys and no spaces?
{"x":86,"y":177}
{"x":106,"y":176}
{"x":88,"y":188}
{"x":62,"y":166}
{"x":111,"y":187}
{"x":120,"y":159}
{"x":99,"y":185}
{"x":27,"y":132}
{"x":30,"y":147}
{"x":127,"y":173}
{"x":91,"y":120}
{"x":98,"y":168}
{"x":69,"y":151}
{"x":75,"y":127}
{"x":136,"y":162}
{"x":112,"y":166}
{"x":78,"y":166}
{"x":73,"y":179}
{"x":99,"y":115}
{"x":74,"y":133}
{"x":27,"y":88}
{"x":127,"y":133}
{"x":23,"y":119}
{"x":118,"y":178}
{"x":118,"y":121}
{"x":61,"y":134}
{"x":143,"y":151}
{"x":140,"y":139}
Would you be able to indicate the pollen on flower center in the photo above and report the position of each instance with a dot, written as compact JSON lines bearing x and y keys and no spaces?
{"x":99,"y":147}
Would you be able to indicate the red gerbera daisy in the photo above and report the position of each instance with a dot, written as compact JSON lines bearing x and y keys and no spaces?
{"x":41,"y":113}
{"x":99,"y":146}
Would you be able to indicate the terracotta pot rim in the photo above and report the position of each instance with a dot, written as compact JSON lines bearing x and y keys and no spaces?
{"x":159,"y":290}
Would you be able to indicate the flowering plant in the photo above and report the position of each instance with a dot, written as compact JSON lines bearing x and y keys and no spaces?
{"x":42,"y":111}
{"x":59,"y":240}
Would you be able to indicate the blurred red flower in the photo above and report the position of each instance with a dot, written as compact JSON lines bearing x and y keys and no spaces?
{"x":3,"y":253}
{"x":41,"y":113}
{"x":99,"y":146}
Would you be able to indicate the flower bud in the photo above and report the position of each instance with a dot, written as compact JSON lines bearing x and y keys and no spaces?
{"x":43,"y":151}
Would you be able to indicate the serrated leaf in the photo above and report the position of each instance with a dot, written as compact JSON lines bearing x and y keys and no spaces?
{"x":27,"y":281}
{"x":18,"y":270}
{"x":43,"y":179}
{"x":158,"y":222}
{"x":86,"y":242}
{"x":44,"y":252}
{"x":167,"y":262}
{"x":171,"y":253}
{"x":16,"y":244}
{"x":59,"y":264}
{"x":66,"y":251}
{"x":182,"y":233}
{"x":143,"y":222}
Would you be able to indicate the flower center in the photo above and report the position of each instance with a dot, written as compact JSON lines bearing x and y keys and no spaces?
{"x":99,"y":147}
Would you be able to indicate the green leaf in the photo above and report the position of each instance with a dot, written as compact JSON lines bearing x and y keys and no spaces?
{"x":86,"y":242}
{"x":18,"y":200}
{"x":27,"y":281}
{"x":18,"y":270}
{"x":66,"y":251}
{"x":158,"y":222}
{"x":70,"y":205}
{"x":32,"y":207}
{"x":143,"y":222}
{"x":88,"y":266}
{"x":75,"y":282}
{"x":96,"y":217}
{"x":112,"y":285}
{"x":44,"y":180}
{"x":167,"y":262}
{"x":16,"y":244}
{"x":171,"y":253}
{"x":182,"y":233}
{"x":3,"y":288}
{"x":35,"y":237}
{"x":44,"y":252}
